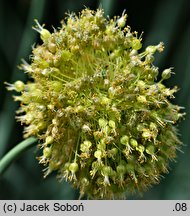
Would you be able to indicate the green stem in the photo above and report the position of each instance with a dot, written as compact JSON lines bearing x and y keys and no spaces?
{"x":36,"y":10}
{"x":15,"y":152}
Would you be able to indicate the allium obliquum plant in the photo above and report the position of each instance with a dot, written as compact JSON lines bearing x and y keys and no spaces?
{"x":104,"y":119}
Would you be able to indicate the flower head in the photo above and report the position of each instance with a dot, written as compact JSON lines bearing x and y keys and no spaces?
{"x":105,"y":123}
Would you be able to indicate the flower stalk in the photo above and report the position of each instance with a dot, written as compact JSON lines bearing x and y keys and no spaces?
{"x":15,"y":152}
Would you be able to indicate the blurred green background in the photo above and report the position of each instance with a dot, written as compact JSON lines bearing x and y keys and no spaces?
{"x":160,"y":20}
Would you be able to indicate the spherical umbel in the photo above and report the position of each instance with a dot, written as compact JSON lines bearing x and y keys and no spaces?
{"x":105,"y":122}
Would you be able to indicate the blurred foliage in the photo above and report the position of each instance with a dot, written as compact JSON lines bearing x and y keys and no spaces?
{"x":161,"y":20}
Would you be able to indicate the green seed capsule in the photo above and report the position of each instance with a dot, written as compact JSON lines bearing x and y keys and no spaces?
{"x":151,"y":49}
{"x":141,"y":99}
{"x":105,"y":101}
{"x":111,"y":124}
{"x":140,"y":148}
{"x":45,"y":35}
{"x":149,"y":58}
{"x":106,"y":129}
{"x":140,"y":127}
{"x":41,"y":125}
{"x":67,"y":165}
{"x":150,"y":149}
{"x":146,"y":134}
{"x":98,"y":154}
{"x":129,"y":168}
{"x":106,"y":170}
{"x":74,"y":167}
{"x":124,"y":140}
{"x":114,"y":151}
{"x":53,"y":165}
{"x":153,"y":126}
{"x":49,"y":140}
{"x":102,"y":123}
{"x":141,"y":84}
{"x":166,"y":74}
{"x":136,"y":44}
{"x":19,"y":86}
{"x":47,"y":152}
{"x":87,"y":143}
{"x":85,"y":181}
{"x":121,"y":169}
{"x":85,"y":146}
{"x":101,"y":145}
{"x":133,"y":143}
{"x":122,"y":21}
{"x":52,"y":47}
{"x":56,"y":85}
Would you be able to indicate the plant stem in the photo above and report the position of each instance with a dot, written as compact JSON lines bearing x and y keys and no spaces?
{"x":15,"y":152}
{"x":36,"y":10}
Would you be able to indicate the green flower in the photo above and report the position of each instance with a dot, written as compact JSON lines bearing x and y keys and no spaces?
{"x":105,"y":122}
